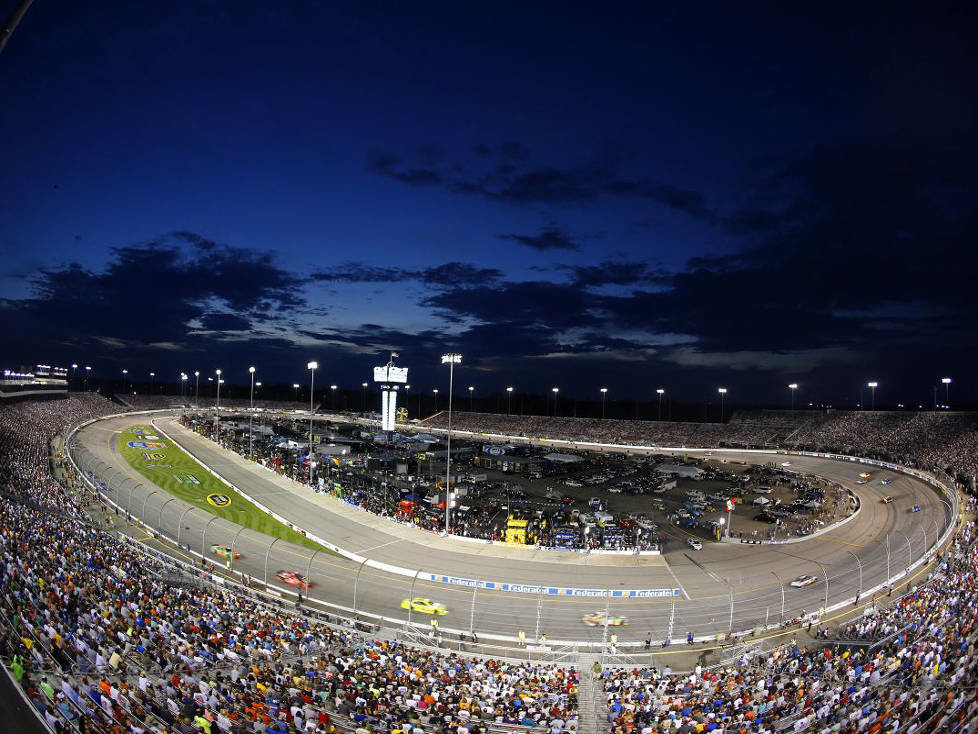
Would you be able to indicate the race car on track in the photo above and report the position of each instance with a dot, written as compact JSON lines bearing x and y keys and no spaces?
{"x":424,"y":606}
{"x":802,"y":581}
{"x":885,"y":482}
{"x":293,"y":579}
{"x":224,"y":552}
{"x":598,"y":620}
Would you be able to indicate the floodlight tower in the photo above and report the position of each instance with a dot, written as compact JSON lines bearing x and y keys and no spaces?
{"x":312,"y":367}
{"x":872,"y":386}
{"x":792,"y":387}
{"x":947,"y":391}
{"x":604,"y":394}
{"x":451,"y":360}
{"x":722,"y":391}
{"x":390,"y":378}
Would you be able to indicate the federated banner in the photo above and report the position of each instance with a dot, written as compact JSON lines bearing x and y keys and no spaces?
{"x":552,"y":590}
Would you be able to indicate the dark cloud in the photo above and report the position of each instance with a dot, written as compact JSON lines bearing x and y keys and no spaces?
{"x":150,"y":293}
{"x":549,"y":238}
{"x":455,"y":274}
{"x":225,"y":322}
{"x":608,"y":273}
{"x":682,"y":200}
{"x":556,"y":305}
{"x":506,"y":175}
{"x":450,"y":274}
{"x":357,"y":272}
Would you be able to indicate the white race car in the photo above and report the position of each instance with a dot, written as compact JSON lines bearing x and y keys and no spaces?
{"x":802,"y":581}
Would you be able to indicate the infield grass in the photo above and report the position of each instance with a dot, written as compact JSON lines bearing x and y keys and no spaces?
{"x":171,"y":468}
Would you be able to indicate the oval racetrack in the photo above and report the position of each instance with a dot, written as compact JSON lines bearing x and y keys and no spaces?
{"x":750,"y":575}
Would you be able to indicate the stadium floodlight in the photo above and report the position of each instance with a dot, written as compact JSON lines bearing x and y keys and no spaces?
{"x":722,"y":391}
{"x":947,"y":391}
{"x":660,"y":392}
{"x":872,"y":386}
{"x":604,"y":394}
{"x":295,"y":386}
{"x":792,"y":387}
{"x":509,"y":400}
{"x":471,"y":397}
{"x":251,"y":409}
{"x":555,"y":391}
{"x":312,"y":367}
{"x":451,"y":359}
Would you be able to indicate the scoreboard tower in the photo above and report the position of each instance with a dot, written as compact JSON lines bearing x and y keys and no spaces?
{"x":390,"y":378}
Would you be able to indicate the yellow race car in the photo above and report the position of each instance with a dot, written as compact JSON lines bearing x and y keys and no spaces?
{"x":424,"y":606}
{"x":598,"y":620}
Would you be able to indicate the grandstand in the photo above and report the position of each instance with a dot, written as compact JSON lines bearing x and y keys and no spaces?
{"x":103,"y":636}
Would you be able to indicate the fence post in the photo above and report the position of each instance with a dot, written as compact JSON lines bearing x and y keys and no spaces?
{"x":267,"y":554}
{"x":180,"y":523}
{"x":356,"y":585}
{"x":159,"y":525}
{"x":203,"y":535}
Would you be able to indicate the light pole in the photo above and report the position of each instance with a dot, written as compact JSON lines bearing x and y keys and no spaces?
{"x":363,"y":398}
{"x":125,"y":381}
{"x":407,"y":401}
{"x":722,"y":391}
{"x":295,"y":387}
{"x":196,"y":387}
{"x":218,"y":413}
{"x":792,"y":387}
{"x":74,"y":375}
{"x":435,"y":392}
{"x":660,"y":392}
{"x":251,"y":413}
{"x":872,"y":387}
{"x":451,"y":360}
{"x":555,"y":391}
{"x":509,"y":400}
{"x":947,"y":391}
{"x":88,"y":371}
{"x":183,"y":385}
{"x":312,"y":367}
{"x":604,"y":395}
{"x":332,"y":397}
{"x":152,"y":382}
{"x":471,"y":398}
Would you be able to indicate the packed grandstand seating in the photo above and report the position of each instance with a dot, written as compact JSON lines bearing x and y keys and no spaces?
{"x":161,"y":402}
{"x":100,"y":641}
{"x":929,"y":440}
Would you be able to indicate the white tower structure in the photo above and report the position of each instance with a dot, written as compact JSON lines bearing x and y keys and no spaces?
{"x":389,"y":377}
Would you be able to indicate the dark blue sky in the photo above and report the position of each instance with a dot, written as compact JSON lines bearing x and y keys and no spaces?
{"x":628,"y":196}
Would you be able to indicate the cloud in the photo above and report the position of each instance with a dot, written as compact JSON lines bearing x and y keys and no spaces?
{"x":508,"y":174}
{"x":450,"y":274}
{"x":550,"y":238}
{"x":608,"y":273}
{"x":225,"y":322}
{"x":150,"y":293}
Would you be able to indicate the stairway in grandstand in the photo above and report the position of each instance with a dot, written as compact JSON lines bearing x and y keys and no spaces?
{"x":588,"y":689}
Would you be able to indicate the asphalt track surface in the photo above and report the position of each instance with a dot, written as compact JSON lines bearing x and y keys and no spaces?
{"x":752,"y":575}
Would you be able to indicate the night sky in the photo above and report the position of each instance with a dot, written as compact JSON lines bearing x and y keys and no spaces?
{"x":628,"y":196}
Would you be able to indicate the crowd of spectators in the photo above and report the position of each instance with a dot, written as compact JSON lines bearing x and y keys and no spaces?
{"x":98,"y":638}
{"x":95,"y":634}
{"x":910,"y":681}
{"x":945,"y":441}
{"x":162,"y":402}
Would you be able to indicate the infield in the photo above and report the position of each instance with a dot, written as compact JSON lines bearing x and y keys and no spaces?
{"x":171,"y":468}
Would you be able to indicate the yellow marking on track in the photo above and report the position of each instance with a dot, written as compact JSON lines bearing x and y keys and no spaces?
{"x":148,"y":537}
